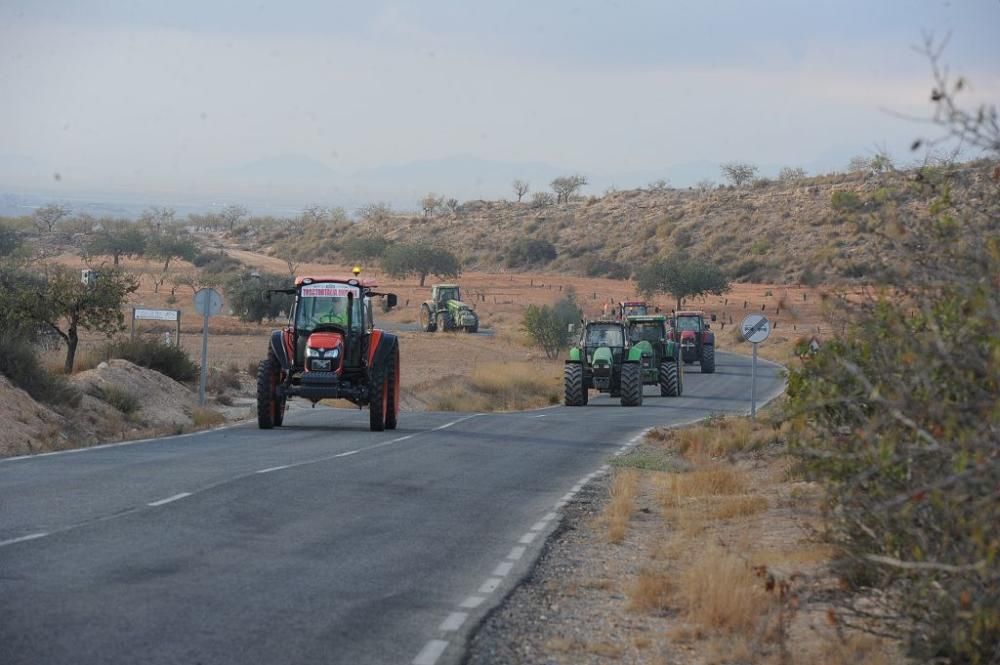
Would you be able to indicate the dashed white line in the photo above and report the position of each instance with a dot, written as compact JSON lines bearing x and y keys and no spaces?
{"x":30,"y":536}
{"x":503,"y":570}
{"x":347,"y":454}
{"x":515,"y":554}
{"x":273,"y":468}
{"x":430,"y":653}
{"x":453,"y":622}
{"x":490,"y":585}
{"x":169,"y":499}
{"x":528,"y":537}
{"x":472,"y":602}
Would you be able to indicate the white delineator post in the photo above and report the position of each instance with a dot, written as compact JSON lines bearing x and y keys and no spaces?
{"x":755,"y":329}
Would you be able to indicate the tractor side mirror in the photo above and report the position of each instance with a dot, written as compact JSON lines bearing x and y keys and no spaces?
{"x":713,"y":317}
{"x":390,"y":300}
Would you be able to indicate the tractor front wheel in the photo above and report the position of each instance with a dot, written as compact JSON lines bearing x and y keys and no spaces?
{"x":270,"y":409}
{"x":708,"y":359}
{"x":575,"y":391}
{"x":631,"y":386}
{"x":427,"y":322}
{"x":670,"y":384}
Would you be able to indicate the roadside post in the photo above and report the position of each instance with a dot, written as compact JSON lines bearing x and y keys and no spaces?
{"x":755,"y":328}
{"x":207,"y":302}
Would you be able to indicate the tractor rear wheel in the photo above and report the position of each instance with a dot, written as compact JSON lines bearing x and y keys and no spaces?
{"x":270,"y":409}
{"x":575,"y":391}
{"x":708,"y":359}
{"x":631,"y":388}
{"x":427,"y":321}
{"x":670,"y":385}
{"x":378,"y":398}
{"x":392,"y":409}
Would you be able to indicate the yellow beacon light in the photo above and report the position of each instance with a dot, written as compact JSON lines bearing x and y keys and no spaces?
{"x":356,"y":270}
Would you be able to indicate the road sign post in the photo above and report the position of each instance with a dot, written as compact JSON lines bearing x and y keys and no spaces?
{"x":207,"y":302}
{"x":755,"y":329}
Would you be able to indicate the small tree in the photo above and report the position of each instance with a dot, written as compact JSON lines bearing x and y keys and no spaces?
{"x":566,"y":186}
{"x":791,"y":174}
{"x":739,"y":174}
{"x":659,"y":186}
{"x":250,"y":296}
{"x":452,"y":205}
{"x":682,"y":277}
{"x":232,"y":215}
{"x":48,"y":216}
{"x":541,"y":200}
{"x":548,"y":327}
{"x":419,"y":259}
{"x":430,"y":203}
{"x":521,"y":188}
{"x":67,"y":305}
{"x":117,"y":239}
{"x":157,"y":219}
{"x":167,"y":247}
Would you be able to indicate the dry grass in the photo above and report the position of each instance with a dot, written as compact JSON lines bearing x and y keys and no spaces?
{"x":650,"y":591}
{"x":715,"y":480}
{"x":729,"y":507}
{"x":719,"y":591}
{"x":719,"y":437}
{"x":502,"y":387}
{"x":205,"y":417}
{"x":621,"y":504}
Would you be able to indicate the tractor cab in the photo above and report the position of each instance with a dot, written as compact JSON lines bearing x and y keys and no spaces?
{"x":631,"y":308}
{"x":442,"y":293}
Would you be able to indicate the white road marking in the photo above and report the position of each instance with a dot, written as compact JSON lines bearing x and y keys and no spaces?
{"x":347,"y":454}
{"x":528,"y":537}
{"x":455,"y":422}
{"x":272,"y":468}
{"x":567,"y":496}
{"x":472,"y":602}
{"x":453,"y":622}
{"x":550,"y":516}
{"x":30,"y":536}
{"x":503,"y":570}
{"x":490,"y":585}
{"x":175,"y":497}
{"x":516,"y":553}
{"x":560,"y":504}
{"x":544,"y":415}
{"x":430,"y":653}
{"x":538,"y":526}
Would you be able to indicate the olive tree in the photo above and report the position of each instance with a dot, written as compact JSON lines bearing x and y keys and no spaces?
{"x":739,"y":174}
{"x":419,"y":259}
{"x":521,"y":187}
{"x":682,"y":277}
{"x":566,"y":186}
{"x":116,"y":239}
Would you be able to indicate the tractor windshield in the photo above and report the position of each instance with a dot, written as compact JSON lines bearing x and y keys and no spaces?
{"x":689,"y":323}
{"x":445,"y":295}
{"x":634,"y":310}
{"x":605,"y":336}
{"x":650,"y":332}
{"x":326,"y":304}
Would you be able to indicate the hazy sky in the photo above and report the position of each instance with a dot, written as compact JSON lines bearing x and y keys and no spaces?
{"x":185,"y":96}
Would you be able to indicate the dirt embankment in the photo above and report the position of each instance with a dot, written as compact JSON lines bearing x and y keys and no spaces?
{"x":119,"y":401}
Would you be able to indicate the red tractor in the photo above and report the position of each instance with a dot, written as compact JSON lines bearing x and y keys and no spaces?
{"x":330,"y":349}
{"x":696,"y":338}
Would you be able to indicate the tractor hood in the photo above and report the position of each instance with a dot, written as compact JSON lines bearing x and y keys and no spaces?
{"x":461,"y":313}
{"x":688,"y":335}
{"x":458,"y":305}
{"x":602,"y":359}
{"x":325,"y":352}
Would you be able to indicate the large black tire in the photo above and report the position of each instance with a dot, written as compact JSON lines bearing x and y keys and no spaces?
{"x":427,"y":321}
{"x":442,"y":323}
{"x":473,"y":329}
{"x":270,"y":410}
{"x":708,"y":359}
{"x":670,"y":384}
{"x":575,"y":391}
{"x":378,"y":394}
{"x":392,"y":410}
{"x":631,"y":384}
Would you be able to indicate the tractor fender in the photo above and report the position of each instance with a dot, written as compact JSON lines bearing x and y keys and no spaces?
{"x":574,"y":355}
{"x":708,"y":337}
{"x":280,"y":349}
{"x":380,"y":347}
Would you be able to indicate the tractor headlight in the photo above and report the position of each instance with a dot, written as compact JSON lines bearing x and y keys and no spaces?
{"x":320,"y":353}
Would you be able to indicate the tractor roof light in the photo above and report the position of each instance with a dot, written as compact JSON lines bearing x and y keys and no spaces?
{"x":356,"y":270}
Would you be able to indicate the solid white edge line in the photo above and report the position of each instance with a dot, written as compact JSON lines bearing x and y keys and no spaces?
{"x":567,"y":496}
{"x":472,"y":602}
{"x":30,"y":536}
{"x":504,"y":568}
{"x":515,"y":554}
{"x":453,"y":622}
{"x":528,"y":537}
{"x":272,"y":468}
{"x":169,"y":499}
{"x":550,"y":516}
{"x":538,"y":526}
{"x":347,"y":454}
{"x":490,"y":585}
{"x":430,"y":653}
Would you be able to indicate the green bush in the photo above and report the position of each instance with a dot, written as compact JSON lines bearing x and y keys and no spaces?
{"x":19,"y":363}
{"x":844,"y":200}
{"x":119,"y":398}
{"x":168,"y":360}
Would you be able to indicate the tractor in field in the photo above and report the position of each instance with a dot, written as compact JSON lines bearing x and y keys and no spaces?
{"x":446,"y":311}
{"x":330,"y":349}
{"x":603,"y":361}
{"x":660,"y":357}
{"x":696,"y":338}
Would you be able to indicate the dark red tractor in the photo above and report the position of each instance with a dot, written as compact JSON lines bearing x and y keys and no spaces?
{"x":696,"y":338}
{"x":330,"y":349}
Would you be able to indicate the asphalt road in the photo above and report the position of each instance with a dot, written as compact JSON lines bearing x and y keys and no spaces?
{"x":319,"y":542}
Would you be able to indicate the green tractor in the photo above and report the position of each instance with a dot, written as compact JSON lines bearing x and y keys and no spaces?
{"x":660,"y":356}
{"x":446,"y":311}
{"x":603,"y":361}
